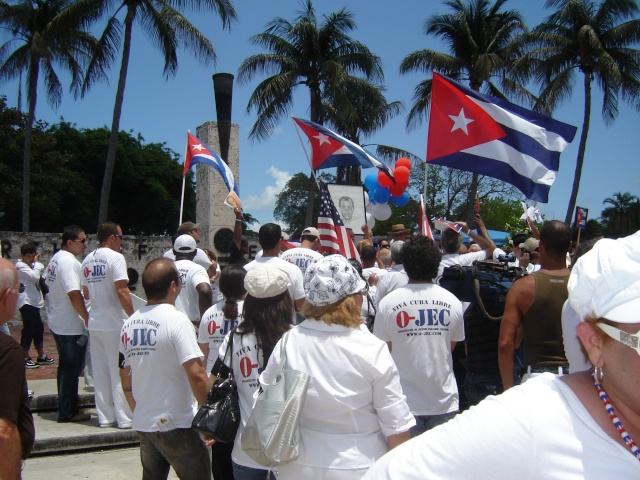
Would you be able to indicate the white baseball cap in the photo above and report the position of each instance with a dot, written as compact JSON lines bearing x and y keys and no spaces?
{"x":605,"y":282}
{"x":266,"y":281}
{"x":184,"y":244}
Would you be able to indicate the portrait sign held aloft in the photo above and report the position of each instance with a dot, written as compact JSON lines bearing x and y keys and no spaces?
{"x":349,"y":201}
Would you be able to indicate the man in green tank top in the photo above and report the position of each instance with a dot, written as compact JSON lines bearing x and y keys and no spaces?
{"x":533,"y":310}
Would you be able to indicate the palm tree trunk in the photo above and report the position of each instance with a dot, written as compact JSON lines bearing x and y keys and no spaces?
{"x":311,"y":194}
{"x":32,"y":89}
{"x":115,"y":124}
{"x":581,"y":149}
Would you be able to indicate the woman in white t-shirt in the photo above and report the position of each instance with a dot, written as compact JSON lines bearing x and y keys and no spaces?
{"x":355,"y":410}
{"x":267,"y":316}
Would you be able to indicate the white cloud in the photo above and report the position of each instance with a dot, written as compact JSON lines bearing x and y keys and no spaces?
{"x":266,"y":200}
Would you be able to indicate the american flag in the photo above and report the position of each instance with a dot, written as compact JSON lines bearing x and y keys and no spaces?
{"x":334,"y":237}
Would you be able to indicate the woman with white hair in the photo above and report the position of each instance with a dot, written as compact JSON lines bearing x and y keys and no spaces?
{"x":577,"y":426}
{"x":354,"y":410}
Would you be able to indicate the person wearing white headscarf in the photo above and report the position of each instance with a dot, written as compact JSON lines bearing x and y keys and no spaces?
{"x":577,"y":426}
{"x":355,"y":410}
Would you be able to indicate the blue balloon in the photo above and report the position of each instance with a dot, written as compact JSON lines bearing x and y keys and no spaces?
{"x":401,"y":200}
{"x":371,"y":181}
{"x":382,"y":195}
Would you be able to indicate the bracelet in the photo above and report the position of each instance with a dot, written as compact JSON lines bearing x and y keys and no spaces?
{"x":238,"y":219}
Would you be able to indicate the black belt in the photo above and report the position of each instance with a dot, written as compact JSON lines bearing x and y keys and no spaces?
{"x":557,"y":369}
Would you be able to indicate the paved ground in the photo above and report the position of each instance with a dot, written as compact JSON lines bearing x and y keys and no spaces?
{"x":120,"y":464}
{"x":43,"y":371}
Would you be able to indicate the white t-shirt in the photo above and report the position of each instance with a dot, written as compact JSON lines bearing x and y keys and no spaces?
{"x":247,"y":365}
{"x":464,"y":260}
{"x":100,"y":269}
{"x":354,"y":400}
{"x":63,"y":276}
{"x":191,"y":275}
{"x":155,"y":342}
{"x":393,"y":279}
{"x":214,"y":327}
{"x":30,"y":278}
{"x":537,"y":430}
{"x":201,"y":257}
{"x":301,"y":257}
{"x":421,"y":320}
{"x":296,"y":289}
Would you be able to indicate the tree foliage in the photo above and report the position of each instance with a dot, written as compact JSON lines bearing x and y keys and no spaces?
{"x":622,"y":215}
{"x":68,"y":173}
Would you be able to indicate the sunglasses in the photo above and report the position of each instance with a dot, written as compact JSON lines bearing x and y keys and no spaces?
{"x":628,"y":339}
{"x":84,"y":240}
{"x":385,"y":246}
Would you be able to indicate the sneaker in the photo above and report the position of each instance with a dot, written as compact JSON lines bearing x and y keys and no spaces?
{"x":30,"y":394}
{"x":45,"y":360}
{"x":79,"y":417}
{"x":109,"y":425}
{"x":30,"y":363}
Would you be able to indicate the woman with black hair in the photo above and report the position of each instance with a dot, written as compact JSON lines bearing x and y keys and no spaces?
{"x":267,"y":316}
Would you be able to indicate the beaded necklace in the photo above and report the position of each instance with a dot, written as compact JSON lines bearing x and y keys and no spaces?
{"x":614,"y":418}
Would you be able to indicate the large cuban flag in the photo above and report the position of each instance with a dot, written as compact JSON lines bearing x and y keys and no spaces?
{"x":199,"y":152}
{"x":330,"y":150}
{"x":490,"y":136}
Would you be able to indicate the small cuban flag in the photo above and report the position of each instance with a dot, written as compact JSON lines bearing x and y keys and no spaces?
{"x":199,"y":152}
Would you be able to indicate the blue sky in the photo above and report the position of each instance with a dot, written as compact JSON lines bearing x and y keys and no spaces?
{"x":163,"y":110}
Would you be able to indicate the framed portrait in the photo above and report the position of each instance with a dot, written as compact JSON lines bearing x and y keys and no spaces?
{"x":349,"y":201}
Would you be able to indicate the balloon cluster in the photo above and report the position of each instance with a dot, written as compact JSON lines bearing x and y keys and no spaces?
{"x":382,"y":189}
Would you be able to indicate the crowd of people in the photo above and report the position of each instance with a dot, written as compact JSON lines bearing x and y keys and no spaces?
{"x":553,"y":382}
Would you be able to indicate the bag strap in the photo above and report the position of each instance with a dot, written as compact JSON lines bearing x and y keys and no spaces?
{"x":230,"y":348}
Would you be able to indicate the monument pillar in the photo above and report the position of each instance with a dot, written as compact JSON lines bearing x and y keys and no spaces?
{"x":223,"y":137}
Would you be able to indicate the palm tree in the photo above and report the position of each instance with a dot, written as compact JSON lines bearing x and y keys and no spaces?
{"x":617,"y":217}
{"x":165,"y":26}
{"x":319,"y":56}
{"x":595,"y":39}
{"x":39,"y":43}
{"x":481,"y":50}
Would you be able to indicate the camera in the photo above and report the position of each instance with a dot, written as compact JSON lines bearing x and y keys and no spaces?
{"x":510,"y":258}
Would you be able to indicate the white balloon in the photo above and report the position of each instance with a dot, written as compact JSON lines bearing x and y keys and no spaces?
{"x":366,"y":199}
{"x":368,"y":207}
{"x":371,"y":221}
{"x":381,"y":211}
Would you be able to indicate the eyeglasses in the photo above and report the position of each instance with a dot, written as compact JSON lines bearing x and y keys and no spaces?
{"x":84,"y":240}
{"x":628,"y":339}
{"x":119,"y":236}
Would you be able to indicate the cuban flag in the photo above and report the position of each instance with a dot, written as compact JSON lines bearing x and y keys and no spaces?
{"x":334,"y":237}
{"x":330,"y":150}
{"x":442,"y":225}
{"x":199,"y":152}
{"x":490,"y":136}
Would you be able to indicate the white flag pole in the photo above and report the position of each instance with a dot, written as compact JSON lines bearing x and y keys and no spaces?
{"x":184,"y":176}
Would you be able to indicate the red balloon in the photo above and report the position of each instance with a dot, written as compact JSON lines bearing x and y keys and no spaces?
{"x":403,"y":162}
{"x":384,"y":180}
{"x":397,"y":190}
{"x":401,"y":174}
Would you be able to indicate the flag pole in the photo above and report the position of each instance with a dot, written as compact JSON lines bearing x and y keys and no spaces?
{"x":313,"y":173}
{"x":184,"y":176}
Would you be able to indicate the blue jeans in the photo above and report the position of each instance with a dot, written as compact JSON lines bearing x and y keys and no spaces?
{"x":70,"y":365}
{"x":241,"y":472}
{"x":427,"y":422}
{"x":182,"y":449}
{"x":477,"y":386}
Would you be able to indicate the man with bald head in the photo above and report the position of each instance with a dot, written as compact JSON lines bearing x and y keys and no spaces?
{"x":17,"y":432}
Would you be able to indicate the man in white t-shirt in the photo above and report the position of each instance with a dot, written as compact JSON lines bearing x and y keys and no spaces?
{"x":195,"y":295}
{"x":161,"y":372}
{"x":270,"y":238}
{"x":396,"y":277}
{"x":452,"y":240}
{"x":421,"y":322}
{"x":67,"y":318}
{"x":104,"y":282}
{"x":201,"y":257}
{"x":306,"y":253}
